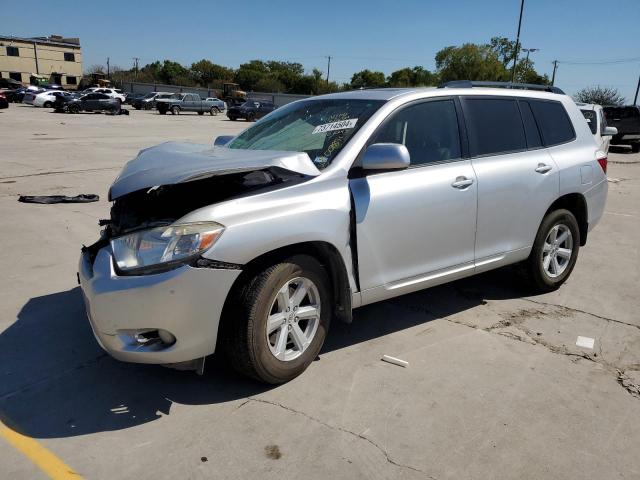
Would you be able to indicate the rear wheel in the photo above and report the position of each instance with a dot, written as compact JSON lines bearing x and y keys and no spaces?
{"x":279,"y":321}
{"x":175,"y":110}
{"x":251,"y":117}
{"x":214,"y":111}
{"x":200,"y":113}
{"x":73,"y":109}
{"x":554,"y":251}
{"x":47,"y":105}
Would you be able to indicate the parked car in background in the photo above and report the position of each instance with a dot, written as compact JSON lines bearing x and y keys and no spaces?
{"x":31,"y":94}
{"x":15,"y":95}
{"x":90,"y":102}
{"x":131,"y":97}
{"x":254,"y":247}
{"x":113,"y":93}
{"x":148,"y":101}
{"x":186,"y":102}
{"x":220,"y":104}
{"x":594,"y":115}
{"x":46,"y":99}
{"x":251,"y":110}
{"x":4,"y":103}
{"x":627,"y":121}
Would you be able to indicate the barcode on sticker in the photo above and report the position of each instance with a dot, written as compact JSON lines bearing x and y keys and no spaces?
{"x":339,"y":125}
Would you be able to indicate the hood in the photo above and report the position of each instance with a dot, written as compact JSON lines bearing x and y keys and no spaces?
{"x":172,"y":162}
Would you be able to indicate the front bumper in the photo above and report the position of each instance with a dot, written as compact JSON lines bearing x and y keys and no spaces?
{"x":186,"y":302}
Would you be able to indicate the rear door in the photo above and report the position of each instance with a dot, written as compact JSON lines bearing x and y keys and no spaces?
{"x":517,"y":178}
{"x":416,"y":227}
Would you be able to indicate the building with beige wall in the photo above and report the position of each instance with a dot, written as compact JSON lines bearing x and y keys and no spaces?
{"x":53,"y":59}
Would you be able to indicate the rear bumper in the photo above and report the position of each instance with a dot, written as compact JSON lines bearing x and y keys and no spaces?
{"x":596,"y":198}
{"x":186,"y":302}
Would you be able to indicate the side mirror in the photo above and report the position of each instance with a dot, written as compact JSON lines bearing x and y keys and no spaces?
{"x":386,"y":156}
{"x":222,"y":140}
{"x":609,"y":131}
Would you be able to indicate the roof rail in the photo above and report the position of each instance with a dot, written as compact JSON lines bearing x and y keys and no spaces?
{"x":521,"y":86}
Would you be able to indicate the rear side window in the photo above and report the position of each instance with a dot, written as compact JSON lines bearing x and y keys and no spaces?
{"x":494,"y":126}
{"x":429,"y":130}
{"x":553,"y":121}
{"x":590,"y":117}
{"x":530,"y":127}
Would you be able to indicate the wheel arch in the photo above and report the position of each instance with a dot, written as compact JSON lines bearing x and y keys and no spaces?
{"x":576,"y":204}
{"x":324,"y":252}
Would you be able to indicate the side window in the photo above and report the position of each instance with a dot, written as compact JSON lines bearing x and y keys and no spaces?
{"x":553,"y":121}
{"x":69,"y":57}
{"x":429,"y":130}
{"x":494,"y":126}
{"x":102,"y":96}
{"x":530,"y":127}
{"x":590,"y":117}
{"x":13,"y":52}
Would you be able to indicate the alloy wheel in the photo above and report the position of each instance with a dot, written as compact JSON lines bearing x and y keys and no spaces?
{"x":557,"y":250}
{"x":293,"y":319}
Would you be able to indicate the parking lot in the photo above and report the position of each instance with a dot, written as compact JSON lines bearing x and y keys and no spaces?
{"x":496,"y":386}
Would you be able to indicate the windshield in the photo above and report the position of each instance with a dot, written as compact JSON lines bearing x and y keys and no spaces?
{"x":319,"y":128}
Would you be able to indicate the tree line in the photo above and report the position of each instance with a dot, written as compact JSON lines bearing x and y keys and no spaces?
{"x":491,"y":61}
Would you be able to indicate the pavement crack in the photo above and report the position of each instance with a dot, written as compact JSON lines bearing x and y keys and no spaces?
{"x":577,"y":310}
{"x":344,"y":430}
{"x":628,"y":384}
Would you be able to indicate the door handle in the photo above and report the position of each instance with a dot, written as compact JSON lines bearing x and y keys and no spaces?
{"x":542,"y":168}
{"x":462,"y":182}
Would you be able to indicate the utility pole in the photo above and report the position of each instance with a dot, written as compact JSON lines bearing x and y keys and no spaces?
{"x":328,"y":67}
{"x":635,"y":99}
{"x":515,"y":57}
{"x":135,"y":59}
{"x":108,"y":71}
{"x":553,"y":77}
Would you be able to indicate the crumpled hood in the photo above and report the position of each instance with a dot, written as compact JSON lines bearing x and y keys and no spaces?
{"x":173,"y":162}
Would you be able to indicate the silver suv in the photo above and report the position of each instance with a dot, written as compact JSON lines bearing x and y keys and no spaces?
{"x":255,"y":245}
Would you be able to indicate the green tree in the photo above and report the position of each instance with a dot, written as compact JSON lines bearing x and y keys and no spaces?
{"x":249,"y":74}
{"x":367,"y":79}
{"x":600,"y":95}
{"x":207,"y":72}
{"x":411,"y":77}
{"x":470,"y":62}
{"x":172,"y":73}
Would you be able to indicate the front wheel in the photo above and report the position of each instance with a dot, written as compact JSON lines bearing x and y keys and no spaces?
{"x":175,"y":110}
{"x":47,"y":105}
{"x":214,"y":111}
{"x":554,"y":251}
{"x":279,"y":319}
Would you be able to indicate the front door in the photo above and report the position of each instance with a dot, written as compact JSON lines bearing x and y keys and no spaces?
{"x":416,"y":227}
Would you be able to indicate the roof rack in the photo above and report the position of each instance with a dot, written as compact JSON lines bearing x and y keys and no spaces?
{"x":521,"y":86}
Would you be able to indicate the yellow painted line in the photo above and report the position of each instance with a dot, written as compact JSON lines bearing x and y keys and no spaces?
{"x":43,"y":458}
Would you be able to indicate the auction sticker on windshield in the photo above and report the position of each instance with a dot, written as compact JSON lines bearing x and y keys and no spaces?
{"x":340,"y":125}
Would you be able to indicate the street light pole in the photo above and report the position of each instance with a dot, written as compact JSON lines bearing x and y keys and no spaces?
{"x":515,"y":57}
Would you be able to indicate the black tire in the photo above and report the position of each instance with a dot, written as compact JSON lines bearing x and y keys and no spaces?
{"x":534,"y":266}
{"x":175,"y":110}
{"x":251,"y":117}
{"x":214,"y":111}
{"x":162,"y":111}
{"x":47,"y":105}
{"x":73,"y":109}
{"x":246,"y":343}
{"x":635,"y":147}
{"x":138,"y":108}
{"x":200,"y":113}
{"x":233,"y":119}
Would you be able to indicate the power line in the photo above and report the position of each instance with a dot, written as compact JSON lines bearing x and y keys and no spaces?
{"x":601,"y":62}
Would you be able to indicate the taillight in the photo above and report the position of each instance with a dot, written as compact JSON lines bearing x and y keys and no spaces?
{"x":603,"y":163}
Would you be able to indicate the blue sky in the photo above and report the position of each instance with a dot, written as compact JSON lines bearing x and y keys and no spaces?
{"x":380,"y":35}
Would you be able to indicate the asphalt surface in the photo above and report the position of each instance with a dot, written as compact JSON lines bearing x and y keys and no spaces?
{"x":496,"y":386}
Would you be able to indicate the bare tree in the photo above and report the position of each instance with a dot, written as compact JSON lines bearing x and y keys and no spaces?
{"x":600,"y":95}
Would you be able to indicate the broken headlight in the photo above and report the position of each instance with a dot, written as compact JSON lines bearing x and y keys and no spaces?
{"x":164,"y":246}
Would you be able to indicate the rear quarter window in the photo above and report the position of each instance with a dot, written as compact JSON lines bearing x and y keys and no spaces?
{"x":553,"y":121}
{"x":592,"y":120}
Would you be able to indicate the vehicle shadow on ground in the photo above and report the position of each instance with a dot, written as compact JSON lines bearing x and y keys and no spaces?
{"x":624,"y":149}
{"x":57,"y":382}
